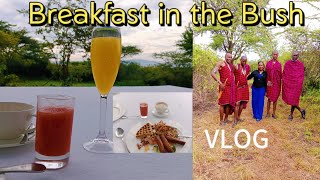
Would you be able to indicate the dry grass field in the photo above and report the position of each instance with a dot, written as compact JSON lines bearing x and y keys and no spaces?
{"x":293,"y":150}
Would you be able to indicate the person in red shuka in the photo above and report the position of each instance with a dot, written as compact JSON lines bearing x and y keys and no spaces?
{"x":293,"y":76}
{"x":241,"y":72}
{"x":227,"y":92}
{"x":274,"y":71}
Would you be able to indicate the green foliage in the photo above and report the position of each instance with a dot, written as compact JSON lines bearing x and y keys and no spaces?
{"x":182,"y":58}
{"x":66,"y":39}
{"x":20,"y":55}
{"x":177,"y":69}
{"x":130,"y":51}
{"x":307,"y":42}
{"x":161,"y":74}
{"x":81,"y":71}
{"x":203,"y":85}
{"x":237,"y":38}
{"x":9,"y":80}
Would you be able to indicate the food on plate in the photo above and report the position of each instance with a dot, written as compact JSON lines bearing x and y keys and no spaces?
{"x":166,"y":144}
{"x":160,"y":145}
{"x":144,"y":131}
{"x":175,"y":140}
{"x":162,"y":136}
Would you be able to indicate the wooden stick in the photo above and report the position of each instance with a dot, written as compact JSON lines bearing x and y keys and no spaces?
{"x":220,"y":92}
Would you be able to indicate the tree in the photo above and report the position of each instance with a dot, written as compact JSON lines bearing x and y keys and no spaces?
{"x":20,"y":55}
{"x":130,"y":51}
{"x":308,"y":43}
{"x":182,"y":57}
{"x":178,"y":64}
{"x":238,"y":38}
{"x":67,"y":40}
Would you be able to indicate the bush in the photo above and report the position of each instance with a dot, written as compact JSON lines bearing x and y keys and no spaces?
{"x":203,"y":85}
{"x":9,"y":80}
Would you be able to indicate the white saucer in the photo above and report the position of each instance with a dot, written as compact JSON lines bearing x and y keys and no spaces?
{"x":118,"y":111}
{"x":16,"y":142}
{"x":154,"y":112}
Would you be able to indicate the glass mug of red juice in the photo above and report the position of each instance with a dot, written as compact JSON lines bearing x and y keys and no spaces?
{"x":53,"y":130}
{"x":143,"y":110}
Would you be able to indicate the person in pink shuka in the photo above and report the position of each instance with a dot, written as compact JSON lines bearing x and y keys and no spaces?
{"x":293,"y":76}
{"x":274,"y":71}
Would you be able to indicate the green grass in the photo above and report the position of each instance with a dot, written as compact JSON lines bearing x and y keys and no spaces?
{"x":45,"y":82}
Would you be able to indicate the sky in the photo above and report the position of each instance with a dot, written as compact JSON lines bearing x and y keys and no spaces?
{"x":205,"y":39}
{"x":152,"y":39}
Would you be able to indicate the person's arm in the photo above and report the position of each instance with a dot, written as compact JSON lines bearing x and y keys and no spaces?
{"x":280,"y":71}
{"x":268,"y":79}
{"x":266,"y":82}
{"x":250,"y":75}
{"x":214,"y":71}
{"x":235,"y":66}
{"x":214,"y":75}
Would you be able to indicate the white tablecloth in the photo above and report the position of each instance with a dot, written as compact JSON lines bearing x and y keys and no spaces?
{"x":85,"y":165}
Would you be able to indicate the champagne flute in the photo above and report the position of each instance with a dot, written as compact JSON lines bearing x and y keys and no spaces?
{"x":105,"y":62}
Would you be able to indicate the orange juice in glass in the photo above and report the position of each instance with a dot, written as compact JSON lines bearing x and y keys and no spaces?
{"x":105,"y":61}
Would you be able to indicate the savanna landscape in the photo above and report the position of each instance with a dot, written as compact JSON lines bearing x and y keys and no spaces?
{"x":57,"y":55}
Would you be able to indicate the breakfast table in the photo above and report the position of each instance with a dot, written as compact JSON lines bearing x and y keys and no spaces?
{"x":121,"y":164}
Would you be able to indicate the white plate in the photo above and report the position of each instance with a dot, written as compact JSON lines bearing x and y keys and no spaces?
{"x":16,"y":142}
{"x":154,"y":112}
{"x":131,"y":140}
{"x":118,"y":111}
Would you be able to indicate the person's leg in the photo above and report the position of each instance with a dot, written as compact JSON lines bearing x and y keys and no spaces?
{"x":302,"y":111}
{"x":291,"y":113}
{"x":254,"y":102}
{"x":227,"y":113}
{"x":297,"y":107}
{"x":221,"y":111}
{"x":274,"y":110}
{"x":240,"y":109}
{"x":236,"y":114}
{"x":268,"y":108}
{"x":260,"y":102}
{"x":236,"y":111}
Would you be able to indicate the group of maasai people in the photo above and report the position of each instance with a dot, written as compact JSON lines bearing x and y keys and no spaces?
{"x":267,"y":81}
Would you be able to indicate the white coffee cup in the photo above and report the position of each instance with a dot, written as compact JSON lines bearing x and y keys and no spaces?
{"x":161,"y":107}
{"x":15,"y":119}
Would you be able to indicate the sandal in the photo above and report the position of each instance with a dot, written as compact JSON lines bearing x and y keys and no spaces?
{"x":234,"y":124}
{"x":303,"y":114}
{"x":222,"y":123}
{"x":274,"y":116}
{"x":290,"y":117}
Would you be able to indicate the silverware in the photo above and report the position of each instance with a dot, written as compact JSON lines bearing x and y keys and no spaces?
{"x":120,"y":134}
{"x":182,"y":136}
{"x":125,"y":117}
{"x":24,"y":168}
{"x":29,"y":135}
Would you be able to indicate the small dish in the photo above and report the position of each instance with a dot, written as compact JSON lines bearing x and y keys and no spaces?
{"x":156,"y":114}
{"x":118,"y":111}
{"x":17,"y":142}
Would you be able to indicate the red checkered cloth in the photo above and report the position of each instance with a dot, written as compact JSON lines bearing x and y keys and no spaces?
{"x":228,"y":96}
{"x":242,"y":88}
{"x":274,"y":74}
{"x":293,"y":76}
